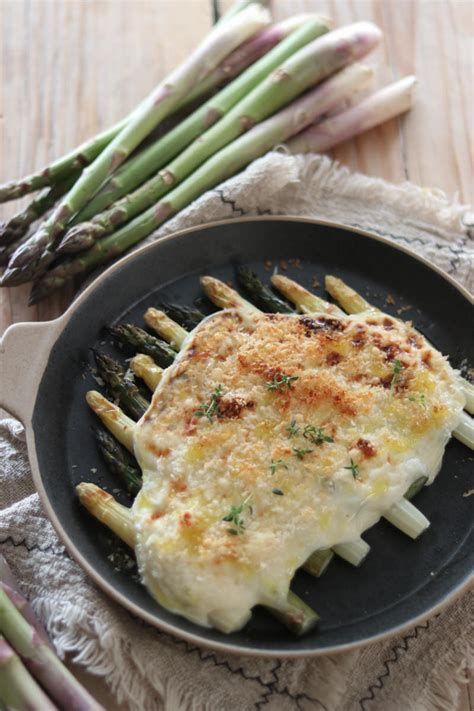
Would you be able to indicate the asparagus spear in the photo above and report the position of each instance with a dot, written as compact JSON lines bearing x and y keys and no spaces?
{"x":54,"y":677}
{"x":261,"y":294}
{"x":143,"y":342}
{"x":310,"y":64}
{"x":112,"y":417}
{"x":245,"y":112}
{"x":145,"y":368}
{"x":108,"y":511}
{"x":88,"y":151}
{"x":10,"y":586}
{"x":124,"y":391}
{"x":138,"y":169}
{"x":18,"y":225}
{"x":184,"y":315}
{"x":381,"y":106}
{"x":161,"y":103}
{"x":295,"y":614}
{"x":248,"y":53}
{"x":169,"y":330}
{"x":225,"y":297}
{"x":18,"y":689}
{"x":353,"y":303}
{"x":117,"y":461}
{"x":318,"y":562}
{"x":304,"y":301}
{"x":228,"y":161}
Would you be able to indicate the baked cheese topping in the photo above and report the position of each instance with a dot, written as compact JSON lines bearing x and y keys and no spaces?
{"x":272,"y":436}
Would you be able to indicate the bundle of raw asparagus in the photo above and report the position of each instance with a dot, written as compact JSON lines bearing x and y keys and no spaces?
{"x":31,"y":676}
{"x":255,"y":85}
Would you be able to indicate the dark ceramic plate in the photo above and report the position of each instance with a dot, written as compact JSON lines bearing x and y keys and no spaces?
{"x":401,"y":580}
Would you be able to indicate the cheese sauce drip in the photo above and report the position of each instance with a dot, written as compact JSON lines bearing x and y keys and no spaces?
{"x":272,"y":436}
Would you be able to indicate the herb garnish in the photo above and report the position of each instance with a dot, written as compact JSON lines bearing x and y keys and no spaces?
{"x":278,"y":492}
{"x":419,"y":399}
{"x":292,"y":429}
{"x":397,"y":369}
{"x":316,"y":435}
{"x":354,"y":468}
{"x":234,"y":517}
{"x":300,"y":452}
{"x":211,"y":408}
{"x":277,"y":463}
{"x":280,"y":382}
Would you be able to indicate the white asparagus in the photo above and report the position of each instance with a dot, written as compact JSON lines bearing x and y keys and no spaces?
{"x":392,"y":100}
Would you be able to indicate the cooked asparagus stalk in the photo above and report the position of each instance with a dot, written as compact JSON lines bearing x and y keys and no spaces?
{"x":305,"y":302}
{"x":223,"y":164}
{"x":169,"y":330}
{"x":352,"y":302}
{"x":318,"y":562}
{"x":18,"y":689}
{"x":10,"y":586}
{"x":17,"y":226}
{"x":225,"y":296}
{"x":407,"y":518}
{"x":145,"y":368}
{"x":300,"y":71}
{"x":126,"y":392}
{"x":381,"y":106}
{"x":260,"y":293}
{"x":141,"y":341}
{"x":296,"y":615}
{"x":108,"y":511}
{"x":162,"y":101}
{"x":54,"y":677}
{"x":112,"y":417}
{"x":185,"y":316}
{"x":353,"y":552}
{"x":118,"y":462}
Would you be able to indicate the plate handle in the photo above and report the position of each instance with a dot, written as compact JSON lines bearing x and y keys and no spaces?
{"x":24,"y":352}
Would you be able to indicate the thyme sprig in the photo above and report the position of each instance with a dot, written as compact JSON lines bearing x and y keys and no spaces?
{"x":316,"y":435}
{"x":234,"y":516}
{"x":420,"y":399}
{"x":275,"y":463}
{"x":292,"y":429}
{"x":281,"y":381}
{"x":211,"y":408}
{"x":397,"y":369}
{"x":354,"y":468}
{"x":301,"y":452}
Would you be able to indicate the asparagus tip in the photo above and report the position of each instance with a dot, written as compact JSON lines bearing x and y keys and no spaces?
{"x":80,"y":237}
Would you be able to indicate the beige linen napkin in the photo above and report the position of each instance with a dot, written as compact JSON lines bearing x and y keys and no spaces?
{"x":419,"y":671}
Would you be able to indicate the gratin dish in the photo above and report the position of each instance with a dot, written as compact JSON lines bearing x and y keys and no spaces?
{"x":45,"y":373}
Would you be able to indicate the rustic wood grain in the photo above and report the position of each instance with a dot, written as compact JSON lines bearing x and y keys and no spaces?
{"x":71,"y":67}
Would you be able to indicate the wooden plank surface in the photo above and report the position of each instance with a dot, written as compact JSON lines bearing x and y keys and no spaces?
{"x":71,"y":67}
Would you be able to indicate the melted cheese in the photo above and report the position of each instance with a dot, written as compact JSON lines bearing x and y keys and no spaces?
{"x":393,"y":426}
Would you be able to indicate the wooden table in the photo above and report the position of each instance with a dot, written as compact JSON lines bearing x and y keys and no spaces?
{"x":71,"y":67}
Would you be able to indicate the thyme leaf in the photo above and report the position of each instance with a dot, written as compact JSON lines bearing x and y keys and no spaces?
{"x":211,"y":408}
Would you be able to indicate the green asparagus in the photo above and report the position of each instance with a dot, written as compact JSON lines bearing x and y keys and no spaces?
{"x":247,"y":109}
{"x":162,"y":101}
{"x":18,"y":689}
{"x":118,"y":462}
{"x":184,"y":315}
{"x":141,"y":341}
{"x":261,"y":294}
{"x":18,"y":225}
{"x":228,"y":161}
{"x":126,"y":392}
{"x":54,"y":677}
